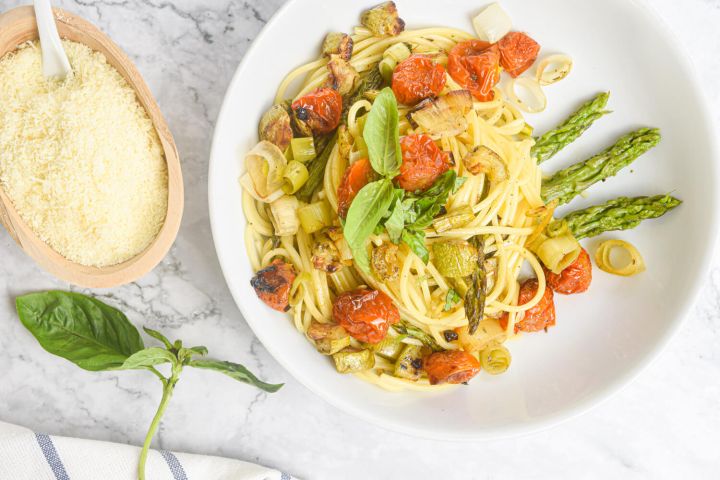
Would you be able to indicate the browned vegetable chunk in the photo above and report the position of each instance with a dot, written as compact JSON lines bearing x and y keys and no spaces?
{"x":351,"y":360}
{"x":326,"y":256}
{"x":329,"y":338}
{"x":338,"y":44}
{"x":482,"y":159}
{"x":342,"y":76}
{"x":383,"y":20}
{"x":385,"y":262}
{"x":275,"y":127}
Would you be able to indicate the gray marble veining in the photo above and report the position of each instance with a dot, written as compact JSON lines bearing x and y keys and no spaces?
{"x":665,"y":424}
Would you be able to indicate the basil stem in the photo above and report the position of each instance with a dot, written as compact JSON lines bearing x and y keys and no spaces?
{"x":168,"y":388}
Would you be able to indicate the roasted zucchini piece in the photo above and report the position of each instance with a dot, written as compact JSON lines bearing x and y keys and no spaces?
{"x":351,"y":360}
{"x":329,"y":338}
{"x":345,"y":142}
{"x":338,"y":44}
{"x":341,"y":75}
{"x":390,"y":347}
{"x":326,"y":256}
{"x":409,"y":363}
{"x":385,"y":262}
{"x":482,"y":159}
{"x":275,"y":127}
{"x":455,"y":258}
{"x":383,"y":20}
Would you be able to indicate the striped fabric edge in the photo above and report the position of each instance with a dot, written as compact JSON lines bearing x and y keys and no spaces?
{"x":177,"y":470}
{"x":51,"y":456}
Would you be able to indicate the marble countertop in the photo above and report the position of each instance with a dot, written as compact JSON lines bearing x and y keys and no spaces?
{"x":665,"y":424}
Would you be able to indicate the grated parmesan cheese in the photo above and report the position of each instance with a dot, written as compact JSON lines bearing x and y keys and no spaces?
{"x":80,"y":159}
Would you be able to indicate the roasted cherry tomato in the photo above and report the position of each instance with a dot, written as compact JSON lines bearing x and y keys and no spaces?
{"x":451,"y":366}
{"x":575,"y":278}
{"x":272,"y":284}
{"x":417,"y":78}
{"x":356,"y":177}
{"x":517,"y":52}
{"x":422,"y":163}
{"x":365,"y":314}
{"x":320,"y":109}
{"x":475,"y":66}
{"x":539,"y":317}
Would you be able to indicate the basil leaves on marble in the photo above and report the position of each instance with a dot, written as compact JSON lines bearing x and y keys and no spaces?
{"x":97,"y":337}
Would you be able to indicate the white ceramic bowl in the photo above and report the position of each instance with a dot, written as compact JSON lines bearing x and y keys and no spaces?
{"x":604,"y":337}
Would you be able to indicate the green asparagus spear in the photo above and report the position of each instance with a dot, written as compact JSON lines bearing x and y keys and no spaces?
{"x":566,"y":184}
{"x":417,"y":333}
{"x":475,"y":296}
{"x":622,"y":213}
{"x":316,"y":171}
{"x":567,"y":132}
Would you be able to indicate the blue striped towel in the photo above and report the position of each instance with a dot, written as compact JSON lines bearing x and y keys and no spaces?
{"x":25,"y":455}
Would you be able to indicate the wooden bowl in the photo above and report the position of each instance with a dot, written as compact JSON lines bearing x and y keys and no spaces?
{"x":18,"y":26}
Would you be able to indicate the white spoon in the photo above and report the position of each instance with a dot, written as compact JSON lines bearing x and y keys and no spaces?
{"x":55,"y":62}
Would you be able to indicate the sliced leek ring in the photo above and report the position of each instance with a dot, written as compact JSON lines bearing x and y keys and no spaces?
{"x":247,"y":184}
{"x":295,"y":175}
{"x":495,"y":359}
{"x":265,"y":164}
{"x":557,"y":253}
{"x":635,"y":265}
{"x":561,"y":66}
{"x":534,"y":99}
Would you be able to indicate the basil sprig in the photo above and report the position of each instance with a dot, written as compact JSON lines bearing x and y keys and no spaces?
{"x":371,"y":204}
{"x":379,"y":204}
{"x":95,"y":336}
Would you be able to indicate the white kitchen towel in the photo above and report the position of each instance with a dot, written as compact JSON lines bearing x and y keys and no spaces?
{"x":25,"y":455}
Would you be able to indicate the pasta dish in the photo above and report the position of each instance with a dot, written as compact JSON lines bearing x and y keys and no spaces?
{"x":396,"y":206}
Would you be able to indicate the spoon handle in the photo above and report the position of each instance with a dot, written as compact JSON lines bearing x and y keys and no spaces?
{"x":55,"y":61}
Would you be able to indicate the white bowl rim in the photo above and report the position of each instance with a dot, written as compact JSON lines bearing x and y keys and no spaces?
{"x":540,"y":423}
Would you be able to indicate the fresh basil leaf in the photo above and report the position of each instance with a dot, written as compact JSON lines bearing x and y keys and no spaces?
{"x":159,"y":336}
{"x":200,"y":350}
{"x":382,"y":134}
{"x":366,"y":210}
{"x":410,"y":212}
{"x":395,"y":224}
{"x":89,"y":333}
{"x":396,"y":221}
{"x":451,"y":299}
{"x":147,"y":358}
{"x":416,"y":241}
{"x":236,"y":371}
{"x":428,"y":204}
{"x":459,"y":181}
{"x":186,"y":354}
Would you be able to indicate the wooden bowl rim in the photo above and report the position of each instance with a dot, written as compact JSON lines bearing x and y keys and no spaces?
{"x":71,"y":27}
